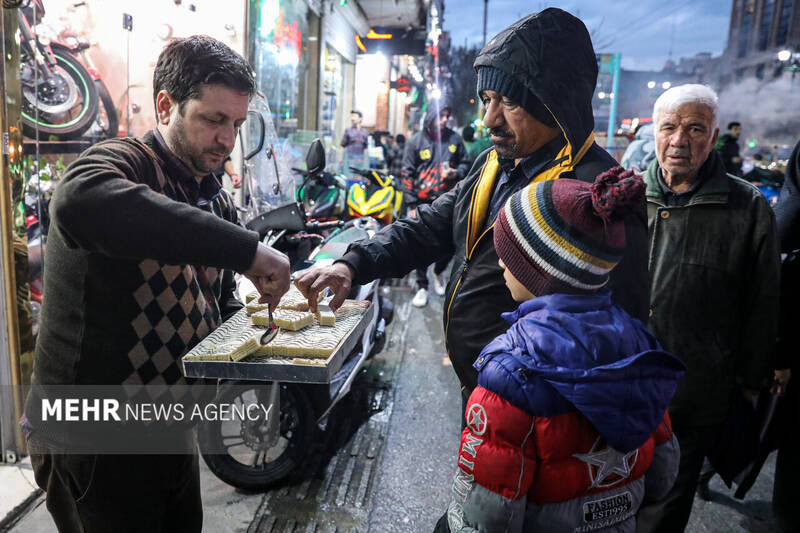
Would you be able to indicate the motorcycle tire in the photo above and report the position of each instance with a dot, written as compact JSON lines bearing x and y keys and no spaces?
{"x":297,"y":429}
{"x":107,"y":120}
{"x":69,"y":109}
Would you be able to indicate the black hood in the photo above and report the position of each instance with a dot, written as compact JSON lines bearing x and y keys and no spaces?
{"x":434,"y":111}
{"x":550,"y":53}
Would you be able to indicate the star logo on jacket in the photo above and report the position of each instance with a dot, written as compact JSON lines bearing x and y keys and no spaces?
{"x":476,"y":419}
{"x":607,"y":467}
{"x":452,"y":148}
{"x":425,"y":154}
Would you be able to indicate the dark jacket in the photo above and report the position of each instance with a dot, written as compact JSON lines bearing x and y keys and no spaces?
{"x":396,"y":166}
{"x":714,"y":268}
{"x":787,"y":212}
{"x":454,"y":224}
{"x":728,"y":147}
{"x":424,"y":155}
{"x":573,"y":377}
{"x":787,"y":215}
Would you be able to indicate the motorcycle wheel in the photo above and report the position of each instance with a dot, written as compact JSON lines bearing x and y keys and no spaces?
{"x":67,"y":106}
{"x":107,"y":121}
{"x":248,"y":464}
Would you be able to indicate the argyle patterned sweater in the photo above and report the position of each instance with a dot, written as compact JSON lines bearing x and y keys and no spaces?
{"x":139,"y":268}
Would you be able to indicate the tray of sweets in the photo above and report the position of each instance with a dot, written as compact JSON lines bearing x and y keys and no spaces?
{"x":311,"y":355}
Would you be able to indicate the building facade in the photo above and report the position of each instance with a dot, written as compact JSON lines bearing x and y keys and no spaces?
{"x":759,"y":30}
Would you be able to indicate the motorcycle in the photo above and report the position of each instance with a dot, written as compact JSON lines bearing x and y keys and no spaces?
{"x":261,"y":453}
{"x":380,"y":197}
{"x":322,"y":195}
{"x":59,"y":96}
{"x":106,"y":122}
{"x":36,"y":208}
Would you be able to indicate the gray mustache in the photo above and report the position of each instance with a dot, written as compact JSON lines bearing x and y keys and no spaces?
{"x":500,"y":133}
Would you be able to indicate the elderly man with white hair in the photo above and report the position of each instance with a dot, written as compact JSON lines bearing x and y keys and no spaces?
{"x":714,"y":267}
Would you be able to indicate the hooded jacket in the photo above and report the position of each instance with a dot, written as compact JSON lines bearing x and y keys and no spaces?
{"x":424,"y":155}
{"x":560,"y":66}
{"x":567,"y":430}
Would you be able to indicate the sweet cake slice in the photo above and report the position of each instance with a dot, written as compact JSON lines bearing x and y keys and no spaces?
{"x":284,"y":319}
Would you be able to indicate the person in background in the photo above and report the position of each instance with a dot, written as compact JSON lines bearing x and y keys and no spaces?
{"x":380,"y":138}
{"x":434,"y":161}
{"x":475,"y":145}
{"x":575,"y":385}
{"x":227,"y":168}
{"x":354,"y":143}
{"x":714,"y":271}
{"x":728,"y":147}
{"x":398,"y":149}
{"x":234,"y":183}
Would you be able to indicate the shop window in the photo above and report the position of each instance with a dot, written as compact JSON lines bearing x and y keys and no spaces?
{"x":279,"y":37}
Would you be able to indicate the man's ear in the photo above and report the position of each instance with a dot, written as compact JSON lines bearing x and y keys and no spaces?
{"x":164,"y":107}
{"x":716,"y":135}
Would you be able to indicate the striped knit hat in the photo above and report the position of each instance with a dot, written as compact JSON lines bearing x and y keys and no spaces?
{"x":565,"y":235}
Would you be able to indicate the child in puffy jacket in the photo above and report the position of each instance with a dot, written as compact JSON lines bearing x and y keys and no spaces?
{"x":567,"y":429}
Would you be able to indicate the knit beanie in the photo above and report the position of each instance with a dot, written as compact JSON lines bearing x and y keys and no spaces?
{"x":494,"y":79}
{"x":565,"y":235}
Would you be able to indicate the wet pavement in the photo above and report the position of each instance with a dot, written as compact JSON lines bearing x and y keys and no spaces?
{"x":386,"y":461}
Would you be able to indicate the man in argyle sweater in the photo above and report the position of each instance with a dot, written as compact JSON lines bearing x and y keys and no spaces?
{"x":140,"y":261}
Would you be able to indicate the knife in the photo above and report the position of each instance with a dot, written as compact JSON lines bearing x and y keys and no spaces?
{"x":272,"y":329}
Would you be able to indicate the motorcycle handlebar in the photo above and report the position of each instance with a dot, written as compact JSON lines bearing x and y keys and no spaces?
{"x":324,"y":225}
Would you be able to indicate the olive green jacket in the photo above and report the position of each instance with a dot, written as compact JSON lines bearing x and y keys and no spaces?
{"x":714,"y":268}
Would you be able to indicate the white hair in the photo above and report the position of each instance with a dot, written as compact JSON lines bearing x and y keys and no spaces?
{"x":691,"y":93}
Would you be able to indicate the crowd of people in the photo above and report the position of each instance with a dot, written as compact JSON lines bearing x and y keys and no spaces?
{"x":699,"y":266}
{"x":606,"y":328}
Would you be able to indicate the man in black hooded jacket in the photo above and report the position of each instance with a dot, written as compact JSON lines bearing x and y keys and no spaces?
{"x":434,"y":160}
{"x":536,"y":79}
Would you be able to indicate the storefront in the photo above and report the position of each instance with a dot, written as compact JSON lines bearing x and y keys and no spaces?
{"x":279,"y":35}
{"x":103,"y":88}
{"x":340,"y":25}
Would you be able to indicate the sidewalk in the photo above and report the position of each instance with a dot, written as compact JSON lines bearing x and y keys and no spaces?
{"x":17,"y":490}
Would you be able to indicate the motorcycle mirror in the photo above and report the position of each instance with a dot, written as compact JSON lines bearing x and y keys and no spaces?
{"x":315,"y":158}
{"x":253,"y":138}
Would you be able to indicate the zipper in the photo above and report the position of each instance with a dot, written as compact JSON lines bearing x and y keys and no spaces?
{"x":464,"y":271}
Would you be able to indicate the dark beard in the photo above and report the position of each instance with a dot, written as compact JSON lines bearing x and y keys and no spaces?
{"x":176,"y":142}
{"x":507,"y":151}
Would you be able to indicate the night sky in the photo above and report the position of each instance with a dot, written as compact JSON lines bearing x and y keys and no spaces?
{"x":640,"y":29}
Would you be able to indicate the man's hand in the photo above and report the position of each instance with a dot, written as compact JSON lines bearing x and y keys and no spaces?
{"x":270,"y":274}
{"x":781,"y":381}
{"x":236,"y":180}
{"x":338,"y":277}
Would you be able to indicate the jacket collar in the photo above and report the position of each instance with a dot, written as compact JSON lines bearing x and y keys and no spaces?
{"x":564,"y":303}
{"x":715,"y":188}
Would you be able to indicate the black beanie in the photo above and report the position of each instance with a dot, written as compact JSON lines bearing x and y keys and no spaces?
{"x":493,"y":79}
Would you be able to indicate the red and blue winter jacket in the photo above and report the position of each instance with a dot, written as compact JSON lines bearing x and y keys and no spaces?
{"x":567,"y":429}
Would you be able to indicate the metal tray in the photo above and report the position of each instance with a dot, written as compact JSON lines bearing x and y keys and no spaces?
{"x":279,"y":368}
